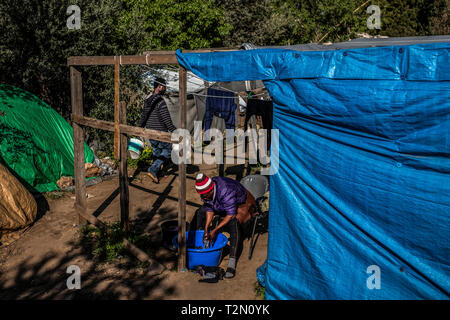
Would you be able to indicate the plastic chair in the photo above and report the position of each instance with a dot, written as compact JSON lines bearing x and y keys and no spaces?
{"x":257,"y":185}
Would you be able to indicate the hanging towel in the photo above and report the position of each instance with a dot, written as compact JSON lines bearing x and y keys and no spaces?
{"x":221,"y":104}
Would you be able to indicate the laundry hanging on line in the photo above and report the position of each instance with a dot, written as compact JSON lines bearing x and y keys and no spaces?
{"x":263,"y":108}
{"x":220,"y":104}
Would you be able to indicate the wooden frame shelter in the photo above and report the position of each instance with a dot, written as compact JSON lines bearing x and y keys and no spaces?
{"x":121,"y":130}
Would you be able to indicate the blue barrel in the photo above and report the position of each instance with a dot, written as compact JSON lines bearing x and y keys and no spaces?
{"x":208,"y":257}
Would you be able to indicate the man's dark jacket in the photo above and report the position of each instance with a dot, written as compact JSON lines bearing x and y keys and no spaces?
{"x":155,"y":115}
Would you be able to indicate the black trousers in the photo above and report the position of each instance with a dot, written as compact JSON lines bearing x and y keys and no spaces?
{"x":233,"y":227}
{"x":264,"y":109}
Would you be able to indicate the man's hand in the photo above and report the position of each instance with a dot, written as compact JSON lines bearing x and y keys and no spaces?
{"x":209,"y":235}
{"x":205,"y":236}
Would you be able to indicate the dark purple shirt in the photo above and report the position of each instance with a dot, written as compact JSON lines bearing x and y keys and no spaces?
{"x":228,"y":195}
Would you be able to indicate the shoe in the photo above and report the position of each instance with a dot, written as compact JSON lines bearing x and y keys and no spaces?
{"x":155,"y":179}
{"x":230,"y":273}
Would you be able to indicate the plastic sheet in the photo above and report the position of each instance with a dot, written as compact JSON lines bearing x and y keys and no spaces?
{"x":36,"y":143}
{"x":360,"y":206}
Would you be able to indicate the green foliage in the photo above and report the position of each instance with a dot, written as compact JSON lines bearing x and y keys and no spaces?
{"x":260,"y":290}
{"x":173,"y":24}
{"x":282,"y":22}
{"x":35,"y":41}
{"x":143,"y":161}
{"x":107,"y":244}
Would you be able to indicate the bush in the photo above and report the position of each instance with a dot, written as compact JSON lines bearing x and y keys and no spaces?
{"x":144,"y":160}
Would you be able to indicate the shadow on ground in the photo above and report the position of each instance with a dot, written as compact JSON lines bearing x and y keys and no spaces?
{"x":122,"y":278}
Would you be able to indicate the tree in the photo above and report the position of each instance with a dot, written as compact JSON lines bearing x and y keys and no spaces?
{"x":282,"y":22}
{"x":173,"y":24}
{"x":35,"y":43}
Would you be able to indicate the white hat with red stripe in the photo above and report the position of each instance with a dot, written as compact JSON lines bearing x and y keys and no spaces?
{"x":203,"y":183}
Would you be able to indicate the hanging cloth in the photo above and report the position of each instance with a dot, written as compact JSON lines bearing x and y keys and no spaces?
{"x":263,"y":108}
{"x":221,"y":104}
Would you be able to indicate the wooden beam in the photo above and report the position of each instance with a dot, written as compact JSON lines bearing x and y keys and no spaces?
{"x":93,"y":123}
{"x":116,"y":107}
{"x":76,"y":91}
{"x":147,"y":133}
{"x":154,"y":58}
{"x":182,"y":175}
{"x":130,"y":130}
{"x":123,"y":174}
{"x":90,"y":60}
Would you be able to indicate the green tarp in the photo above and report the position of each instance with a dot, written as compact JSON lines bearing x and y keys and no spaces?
{"x":36,"y":143}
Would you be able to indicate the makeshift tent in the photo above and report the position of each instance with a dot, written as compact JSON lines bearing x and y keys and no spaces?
{"x":18,"y":208}
{"x":360,"y":205}
{"x":36,"y":143}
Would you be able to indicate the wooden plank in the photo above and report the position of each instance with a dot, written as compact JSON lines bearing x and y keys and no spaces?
{"x":90,"y":60}
{"x":147,"y":133}
{"x":148,"y":57}
{"x":93,"y":123}
{"x":130,"y":130}
{"x":116,"y":107}
{"x":123,"y":174}
{"x":182,"y":175}
{"x":154,"y":58}
{"x":76,"y":91}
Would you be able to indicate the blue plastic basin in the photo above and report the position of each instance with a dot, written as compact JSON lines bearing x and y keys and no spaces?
{"x":208,"y":257}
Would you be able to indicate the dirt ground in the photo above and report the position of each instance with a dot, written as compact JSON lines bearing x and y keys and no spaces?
{"x":35,"y":265}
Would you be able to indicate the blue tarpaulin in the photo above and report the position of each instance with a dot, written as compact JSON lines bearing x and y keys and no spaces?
{"x":360,"y":205}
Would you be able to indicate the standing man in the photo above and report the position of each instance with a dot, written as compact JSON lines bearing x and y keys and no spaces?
{"x":156,"y":116}
{"x":228,"y":199}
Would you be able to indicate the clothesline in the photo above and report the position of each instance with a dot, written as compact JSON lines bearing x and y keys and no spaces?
{"x":206,"y":95}
{"x":218,"y":86}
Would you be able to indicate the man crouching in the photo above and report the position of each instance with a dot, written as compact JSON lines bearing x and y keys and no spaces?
{"x":228,"y":199}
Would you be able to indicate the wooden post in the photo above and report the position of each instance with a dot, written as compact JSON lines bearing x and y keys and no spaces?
{"x":182,"y":176}
{"x":116,"y":107}
{"x":76,"y":90}
{"x":123,"y":173}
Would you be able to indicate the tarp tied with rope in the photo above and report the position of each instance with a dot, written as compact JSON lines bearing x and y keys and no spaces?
{"x":360,"y":205}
